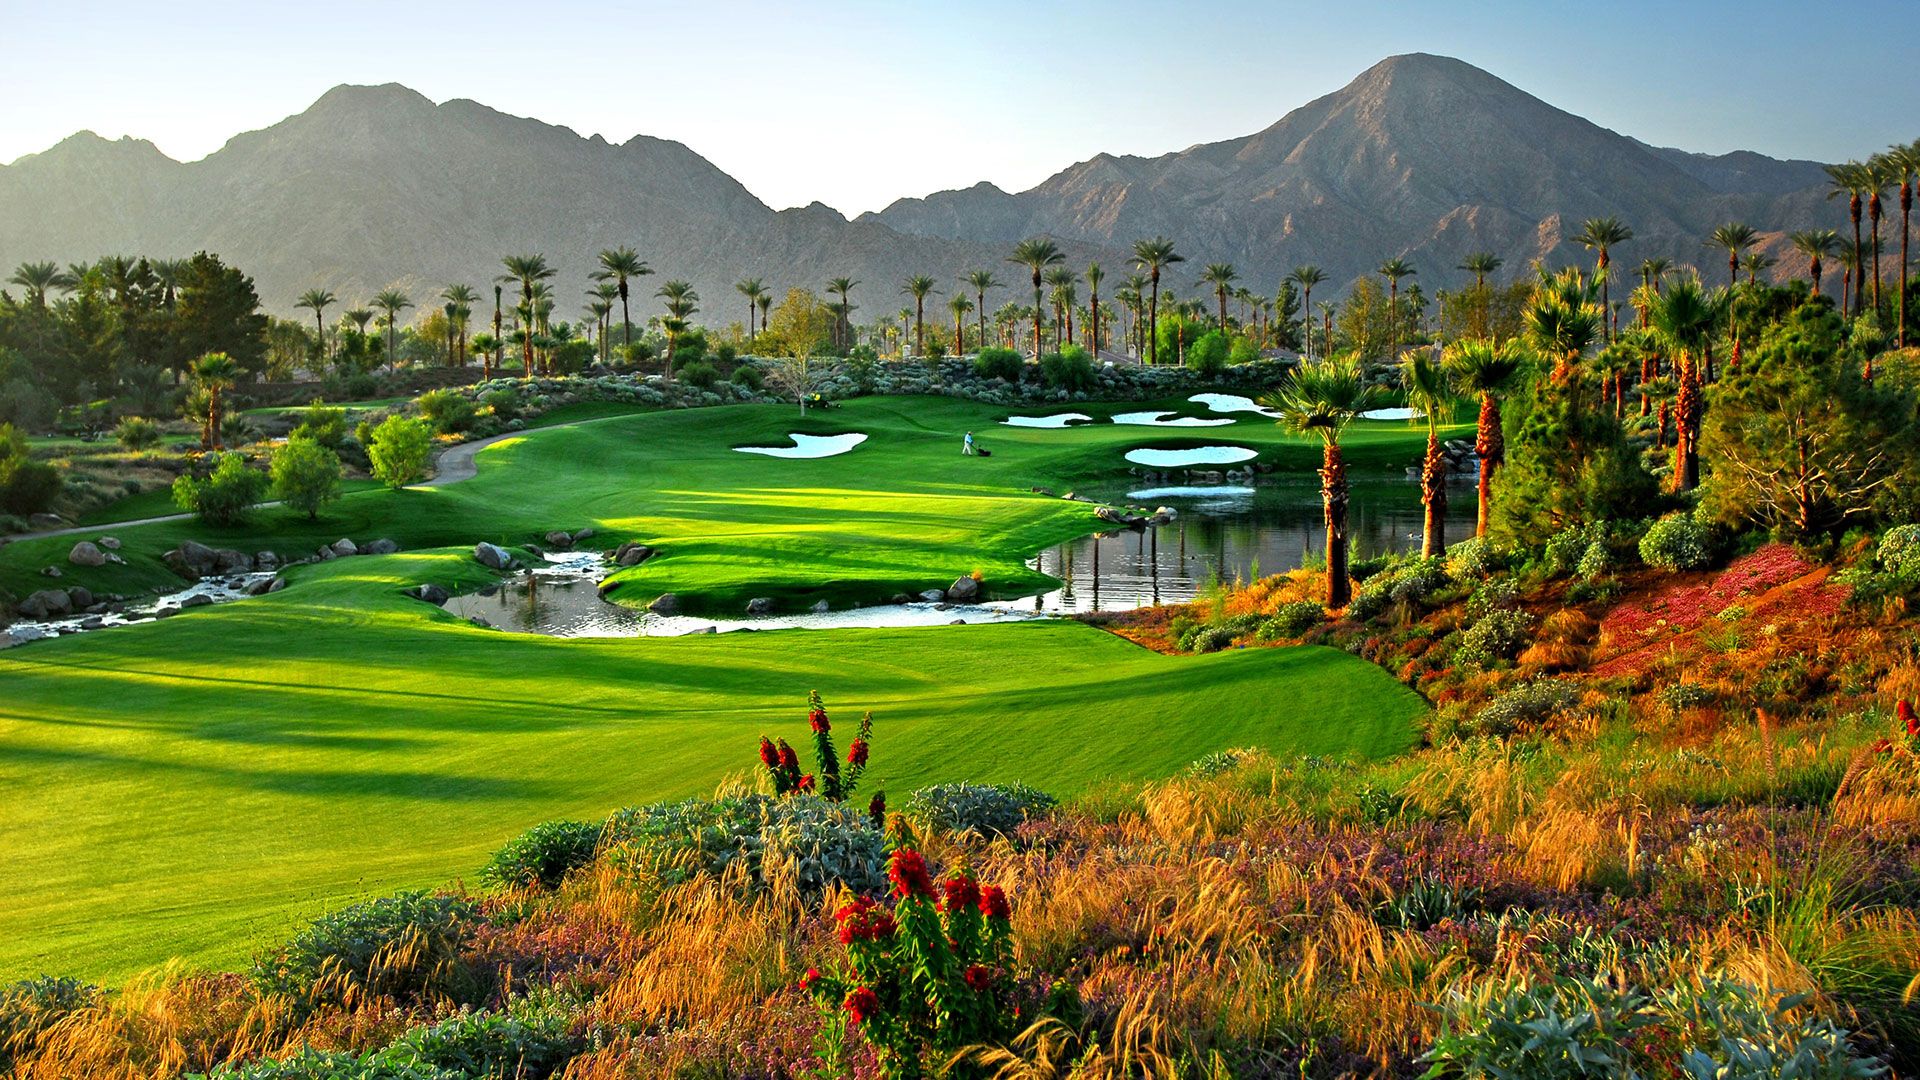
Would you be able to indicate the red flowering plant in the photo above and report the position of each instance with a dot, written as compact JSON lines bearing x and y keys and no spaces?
{"x":930,"y":976}
{"x":828,"y":780}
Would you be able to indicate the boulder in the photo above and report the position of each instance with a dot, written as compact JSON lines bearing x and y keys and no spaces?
{"x":196,"y":600}
{"x":229,"y":561}
{"x":80,"y":597}
{"x":760,"y":605}
{"x":705,"y":630}
{"x":933,"y":596}
{"x":192,"y":559}
{"x":632,"y":554}
{"x":583,"y":534}
{"x":324,"y":554}
{"x":52,"y":571}
{"x":111,"y":543}
{"x":45,"y":604}
{"x":278,"y":584}
{"x":958,"y":622}
{"x":85,"y":553}
{"x":901,"y":598}
{"x":267,"y":560}
{"x":820,"y":607}
{"x":492,"y":556}
{"x":381,"y":546}
{"x":260,"y":587}
{"x":964,"y":590}
{"x":344,"y":547}
{"x":665,"y":604}
{"x":560,"y":539}
{"x":432,"y":594}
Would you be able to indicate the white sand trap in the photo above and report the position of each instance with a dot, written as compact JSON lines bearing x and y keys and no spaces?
{"x":1152,"y":419}
{"x":1199,"y":455}
{"x":1057,"y":420}
{"x":810,"y":446}
{"x":1391,"y":414}
{"x":1231,"y":403}
{"x":1192,"y":491}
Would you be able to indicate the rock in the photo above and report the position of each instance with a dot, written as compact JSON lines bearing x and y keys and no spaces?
{"x":958,"y":622}
{"x":324,"y":554}
{"x":560,"y":539}
{"x":820,"y":607}
{"x":1108,"y":513}
{"x":111,"y":543}
{"x":583,"y":534}
{"x":1040,"y":491}
{"x":278,"y":584}
{"x":45,"y":603}
{"x":80,"y":597}
{"x":432,"y":594}
{"x":483,"y":624}
{"x":166,"y":612}
{"x":665,"y":604}
{"x":52,"y":571}
{"x":261,"y":587}
{"x":632,"y":554}
{"x":901,"y":598}
{"x":192,"y":559}
{"x":933,"y":596}
{"x":344,"y":547}
{"x":266,"y":560}
{"x":760,"y":605}
{"x":705,"y":630}
{"x":85,"y":553}
{"x":196,"y":600}
{"x":45,"y":521}
{"x":608,"y":586}
{"x":964,"y":590}
{"x":92,"y":622}
{"x":114,"y":558}
{"x":492,"y":556}
{"x":380,"y":547}
{"x":229,"y":561}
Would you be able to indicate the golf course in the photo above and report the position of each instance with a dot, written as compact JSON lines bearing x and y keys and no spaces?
{"x":338,"y":739}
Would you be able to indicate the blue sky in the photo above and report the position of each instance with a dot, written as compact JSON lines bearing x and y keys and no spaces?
{"x":857,"y":103}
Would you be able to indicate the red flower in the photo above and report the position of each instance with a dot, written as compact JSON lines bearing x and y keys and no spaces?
{"x":768,"y":756}
{"x":788,"y":759}
{"x":993,"y":903}
{"x":857,"y":753}
{"x":979,"y":978}
{"x":810,"y":980}
{"x":863,"y":1003}
{"x":1882,"y":746}
{"x":863,"y":920}
{"x":1904,"y":711}
{"x":877,"y":809}
{"x":961,"y":892}
{"x":818,"y":719}
{"x":806,"y":782}
{"x":908,"y":872}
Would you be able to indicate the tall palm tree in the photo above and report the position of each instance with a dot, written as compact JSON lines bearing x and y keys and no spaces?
{"x":460,"y":300}
{"x":1492,"y":372}
{"x":960,"y":305}
{"x":1094,"y":276}
{"x":1154,"y":256}
{"x":1562,"y":320}
{"x":919,"y":286}
{"x":1815,"y":244}
{"x":1878,"y":173}
{"x":1601,"y":235}
{"x":1323,"y":397}
{"x":1221,"y":276}
{"x":604,"y":294}
{"x":1133,"y":289}
{"x":1480,"y":264}
{"x":980,"y":281}
{"x":37,"y":278}
{"x":1430,"y":390}
{"x":1036,"y":255}
{"x":1736,"y":238}
{"x":621,"y":265}
{"x":1683,"y":319}
{"x":1393,"y":270}
{"x":494,"y":357}
{"x":391,"y":303}
{"x":1904,"y":162}
{"x":1850,"y":179}
{"x":1307,"y":277}
{"x":215,"y":373}
{"x":527,"y":271}
{"x":765,"y":301}
{"x":1756,"y":263}
{"x":751,"y":288}
{"x":843,"y":288}
{"x":317,"y":301}
{"x":681,"y":302}
{"x":1059,"y":282}
{"x":359,"y":317}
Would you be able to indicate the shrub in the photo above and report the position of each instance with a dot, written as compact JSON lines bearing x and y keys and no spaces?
{"x":1208,"y":356}
{"x":1565,"y":548}
{"x":544,"y":855}
{"x":999,"y":364}
{"x":323,"y":424}
{"x":311,"y":1064}
{"x":1595,"y":563}
{"x":1899,"y":550}
{"x":448,"y":412}
{"x":30,"y":1007}
{"x":1218,"y":762}
{"x":408,"y":943}
{"x":1293,"y":620}
{"x":225,"y":496}
{"x":26,"y":486}
{"x":1408,"y":586}
{"x":1071,"y":369}
{"x":749,"y":376}
{"x":1474,"y":558}
{"x":1568,"y":1028}
{"x":1524,"y":707}
{"x":137,"y":433}
{"x":1206,"y":639}
{"x":529,"y":1040}
{"x":306,"y":476}
{"x":398,"y":449}
{"x":824,"y":844}
{"x":504,"y":403}
{"x":700,"y":374}
{"x":1425,"y":904}
{"x":1499,"y":635}
{"x":1495,"y":595}
{"x":1244,"y":351}
{"x":987,"y":809}
{"x":1677,"y":542}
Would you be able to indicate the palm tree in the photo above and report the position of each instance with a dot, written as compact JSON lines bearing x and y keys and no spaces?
{"x":459,"y":309}
{"x":359,"y":317}
{"x":527,"y":271}
{"x":1153,"y":256}
{"x":604,"y":293}
{"x":1431,"y":392}
{"x":1852,"y":180}
{"x":1393,"y":270}
{"x":1815,"y":244}
{"x":1755,"y":263}
{"x":317,"y":301}
{"x":1562,"y":320}
{"x":168,"y":273}
{"x":1480,"y":264}
{"x":391,"y":303}
{"x":1735,"y":237}
{"x":38,"y":277}
{"x":491,"y":358}
{"x":1221,"y":276}
{"x":1060,"y":281}
{"x":1094,"y":276}
{"x":1036,"y":255}
{"x":751,"y":288}
{"x":1307,"y":277}
{"x":1683,"y":319}
{"x":843,"y":288}
{"x":1904,"y":162}
{"x":980,"y":281}
{"x":681,"y":302}
{"x":1323,"y":397}
{"x":216,"y":373}
{"x":919,"y":286}
{"x":621,"y":265}
{"x":1601,"y":235}
{"x":1878,"y":174}
{"x":765,"y":301}
{"x":960,"y":305}
{"x":1492,"y":372}
{"x":602,"y":312}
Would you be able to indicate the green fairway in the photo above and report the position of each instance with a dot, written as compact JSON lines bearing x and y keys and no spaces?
{"x":196,"y":786}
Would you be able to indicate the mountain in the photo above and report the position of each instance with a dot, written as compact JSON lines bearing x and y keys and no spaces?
{"x":1420,"y":157}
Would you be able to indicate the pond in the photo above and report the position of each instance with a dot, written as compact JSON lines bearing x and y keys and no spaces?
{"x":202,"y":593}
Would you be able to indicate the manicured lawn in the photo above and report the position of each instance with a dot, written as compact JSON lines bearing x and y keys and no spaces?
{"x":196,"y":786}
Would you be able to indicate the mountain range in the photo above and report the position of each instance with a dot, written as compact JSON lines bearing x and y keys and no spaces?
{"x":1421,"y":157}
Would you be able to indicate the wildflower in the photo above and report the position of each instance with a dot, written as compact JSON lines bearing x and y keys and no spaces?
{"x":863,"y":1003}
{"x":818,"y":720}
{"x":961,"y":893}
{"x":908,"y":872}
{"x":768,"y":755}
{"x":788,"y":759}
{"x":979,"y":978}
{"x":877,"y":810}
{"x":993,"y":903}
{"x":810,"y":980}
{"x":806,"y":783}
{"x":863,"y":920}
{"x":857,"y":753}
{"x":1904,"y":711}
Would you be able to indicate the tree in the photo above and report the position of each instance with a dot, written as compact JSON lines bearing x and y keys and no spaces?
{"x":919,"y":286}
{"x":1756,"y":263}
{"x":1061,"y":281}
{"x":1815,"y":244}
{"x":218,"y":311}
{"x":226,"y":495}
{"x":980,"y":281}
{"x":526,"y":271}
{"x":1307,"y":277}
{"x":1903,"y":163}
{"x":1735,"y":238}
{"x":1877,"y":174}
{"x":1036,"y":255}
{"x":37,"y":278}
{"x":1221,"y":276}
{"x":1602,"y":235}
{"x":1430,"y":391}
{"x":317,"y":301}
{"x":459,"y":309}
{"x":214,"y":374}
{"x":1490,"y":372}
{"x":843,"y":288}
{"x":620,"y":266}
{"x":766,"y":303}
{"x":306,"y":476}
{"x":391,"y":303}
{"x":1480,"y":264}
{"x":1562,"y":321}
{"x":1323,"y":397}
{"x":681,"y":302}
{"x":960,"y":305}
{"x":1683,"y":319}
{"x":1154,"y":256}
{"x":798,"y":326}
{"x":752,"y":289}
{"x":398,"y":450}
{"x":1094,"y":276}
{"x":1852,"y":180}
{"x":1393,"y":270}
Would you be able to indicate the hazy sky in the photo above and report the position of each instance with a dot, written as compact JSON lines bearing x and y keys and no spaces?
{"x":858,"y":103}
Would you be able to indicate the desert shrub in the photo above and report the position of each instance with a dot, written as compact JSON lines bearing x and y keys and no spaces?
{"x":504,"y":403}
{"x":700,"y":374}
{"x":1425,"y":904}
{"x":137,"y":433}
{"x":1677,"y":542}
{"x":1292,"y":620}
{"x":1595,"y":563}
{"x":544,"y":854}
{"x":226,"y":495}
{"x":999,"y":364}
{"x":1244,"y":351}
{"x":1473,"y":559}
{"x":1207,"y":357}
{"x":1070,"y":369}
{"x":1409,"y":585}
{"x":749,"y":376}
{"x":323,"y":424}
{"x":987,"y":809}
{"x":448,"y":412}
{"x":824,"y":843}
{"x":725,"y":352}
{"x":311,"y":1064}
{"x":1565,"y":548}
{"x":1899,"y":550}
{"x":1499,"y":635}
{"x":31,"y":1007}
{"x":1498,"y":594}
{"x":26,"y":486}
{"x":306,"y":475}
{"x":1524,"y":707}
{"x":398,"y":449}
{"x":1206,"y":639}
{"x":529,"y":1040}
{"x":1680,"y":696}
{"x":397,"y":945}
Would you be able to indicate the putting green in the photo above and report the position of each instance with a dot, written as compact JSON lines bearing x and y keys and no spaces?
{"x":197,"y":786}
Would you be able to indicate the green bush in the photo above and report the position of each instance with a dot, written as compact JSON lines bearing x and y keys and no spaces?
{"x":1524,"y":707}
{"x":1293,"y":620}
{"x":700,"y":374}
{"x":1565,"y":548}
{"x":504,"y":403}
{"x":1899,"y":550}
{"x":986,"y":809}
{"x":544,"y":854}
{"x":137,"y":433}
{"x":306,"y":476}
{"x":323,"y":424}
{"x":26,"y":486}
{"x":530,"y":1040}
{"x":1595,"y":563}
{"x":1071,"y":369}
{"x":225,"y":496}
{"x":1676,"y":543}
{"x":30,"y":1007}
{"x":398,"y":449}
{"x":1474,"y":559}
{"x":449,"y":413}
{"x":1206,"y":639}
{"x":1244,"y":351}
{"x":406,"y":944}
{"x":1499,"y":635}
{"x":749,"y":376}
{"x":310,"y":1064}
{"x":1208,"y":356}
{"x":824,"y":844}
{"x":999,"y":364}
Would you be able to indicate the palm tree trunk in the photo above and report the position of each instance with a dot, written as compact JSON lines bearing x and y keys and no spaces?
{"x":1906,"y":214}
{"x":1433,"y":495}
{"x":1153,"y":327}
{"x":626,"y":319}
{"x":1038,"y":307}
{"x":1853,"y":211}
{"x":1489,"y":444}
{"x":1093,"y":330}
{"x":1686,"y":458}
{"x":1873,"y":209}
{"x":1333,"y":498}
